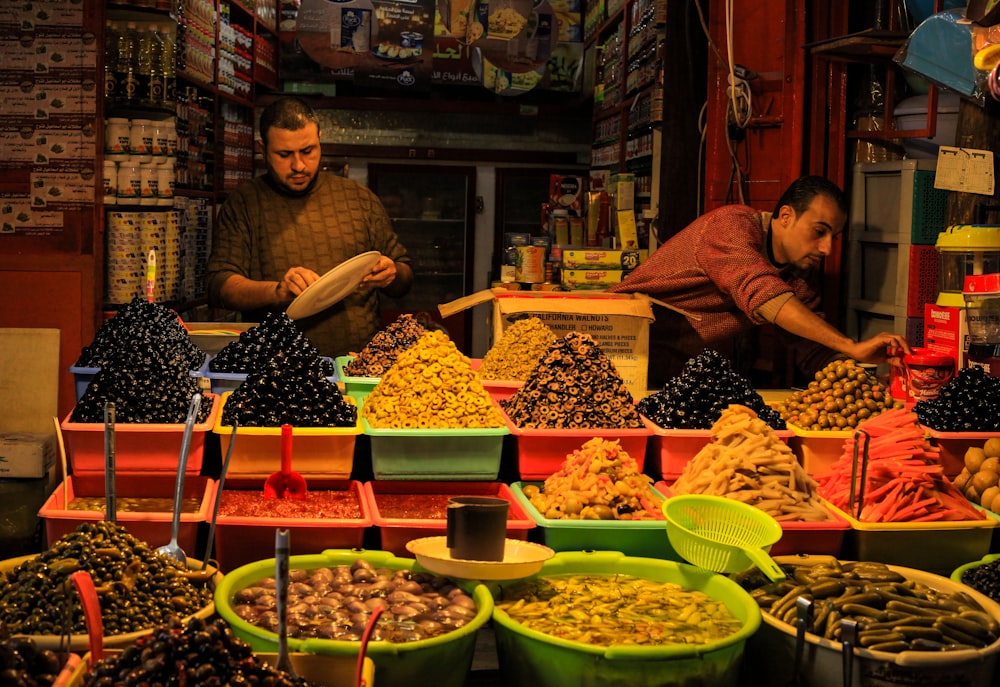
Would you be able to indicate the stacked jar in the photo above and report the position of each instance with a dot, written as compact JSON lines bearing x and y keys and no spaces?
{"x":139,"y":161}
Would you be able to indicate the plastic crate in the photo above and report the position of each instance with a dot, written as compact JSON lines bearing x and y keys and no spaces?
{"x":929,"y":209}
{"x":646,"y":538}
{"x":240,"y":539}
{"x":953,"y":446}
{"x":356,"y":387}
{"x":221,"y":382}
{"x":138,"y":447}
{"x":937,"y":547}
{"x":542,"y":452}
{"x":317,"y":452}
{"x":436,"y":454}
{"x":83,"y":376}
{"x":821,"y":538}
{"x":153,"y":527}
{"x":817,"y":450}
{"x":671,"y":449}
{"x":922,"y":279}
{"x":396,"y":532}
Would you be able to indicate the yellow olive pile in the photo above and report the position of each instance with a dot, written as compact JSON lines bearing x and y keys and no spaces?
{"x":518,"y":350}
{"x":431,"y":386}
{"x":980,"y":478}
{"x":841,"y":396}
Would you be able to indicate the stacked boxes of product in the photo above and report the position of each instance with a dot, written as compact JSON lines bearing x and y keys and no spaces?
{"x":589,"y":239}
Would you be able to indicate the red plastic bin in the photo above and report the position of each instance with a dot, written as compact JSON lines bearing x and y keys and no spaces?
{"x":153,"y":448}
{"x":245,"y":539}
{"x":395,"y":532}
{"x":152,"y":527}
{"x":953,"y":446}
{"x":817,"y":538}
{"x":542,"y":452}
{"x":675,"y":447}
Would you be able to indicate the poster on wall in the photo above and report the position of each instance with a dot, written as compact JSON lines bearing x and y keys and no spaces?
{"x":380,"y":42}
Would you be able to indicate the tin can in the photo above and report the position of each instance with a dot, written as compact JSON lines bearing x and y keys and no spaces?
{"x":412,"y":40}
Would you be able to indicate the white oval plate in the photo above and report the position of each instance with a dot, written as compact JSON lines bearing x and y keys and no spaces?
{"x":520,"y":559}
{"x":333,"y":286}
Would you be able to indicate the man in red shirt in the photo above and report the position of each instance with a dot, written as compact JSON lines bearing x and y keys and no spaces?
{"x":736,"y":268}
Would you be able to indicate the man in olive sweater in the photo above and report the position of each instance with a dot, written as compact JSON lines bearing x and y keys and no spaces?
{"x":277,"y":234}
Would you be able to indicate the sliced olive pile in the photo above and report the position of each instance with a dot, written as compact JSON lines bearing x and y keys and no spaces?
{"x":381,"y":352}
{"x":142,"y":325}
{"x":200,"y":653}
{"x":259,"y":344}
{"x":969,"y":402}
{"x":147,"y":386}
{"x":289,"y":388}
{"x":138,"y":588}
{"x":706,"y":386}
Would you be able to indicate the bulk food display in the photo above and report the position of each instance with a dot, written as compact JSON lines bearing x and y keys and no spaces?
{"x":860,"y":484}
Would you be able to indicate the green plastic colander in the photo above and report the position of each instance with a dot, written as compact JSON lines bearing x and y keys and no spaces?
{"x":722,"y":535}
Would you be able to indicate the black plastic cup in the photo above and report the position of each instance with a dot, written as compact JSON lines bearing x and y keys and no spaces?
{"x":477,"y":527}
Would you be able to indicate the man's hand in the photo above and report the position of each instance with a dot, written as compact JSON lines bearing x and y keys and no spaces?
{"x":293,"y":283}
{"x":881,"y":348}
{"x":382,"y":274}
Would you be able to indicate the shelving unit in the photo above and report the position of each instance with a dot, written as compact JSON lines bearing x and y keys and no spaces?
{"x":628,"y":92}
{"x":896,"y":216}
{"x":224,"y":54}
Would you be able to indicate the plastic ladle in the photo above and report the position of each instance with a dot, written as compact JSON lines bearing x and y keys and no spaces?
{"x":285,"y":482}
{"x":281,"y":550}
{"x":173,"y":549}
{"x":84,"y":584}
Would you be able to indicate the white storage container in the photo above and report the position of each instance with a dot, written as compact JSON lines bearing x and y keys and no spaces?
{"x":911,"y":114}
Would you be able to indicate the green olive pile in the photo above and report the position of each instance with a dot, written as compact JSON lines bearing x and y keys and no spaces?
{"x":841,"y":396}
{"x":517,"y":351}
{"x":138,"y":588}
{"x":200,"y":653}
{"x":25,"y":664}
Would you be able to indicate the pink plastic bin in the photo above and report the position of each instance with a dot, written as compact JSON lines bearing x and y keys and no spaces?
{"x":818,"y":538}
{"x":395,"y":532}
{"x":541,"y":452}
{"x":151,"y":448}
{"x":152,"y":527}
{"x":244,"y":539}
{"x":953,"y":446}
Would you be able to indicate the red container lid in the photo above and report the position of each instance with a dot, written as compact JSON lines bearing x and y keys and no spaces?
{"x":924,"y":356}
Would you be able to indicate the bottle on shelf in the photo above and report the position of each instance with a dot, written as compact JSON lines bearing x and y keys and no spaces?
{"x":156,"y":85}
{"x":127,"y":66}
{"x":145,"y":63}
{"x":111,"y":35}
{"x":169,"y":67}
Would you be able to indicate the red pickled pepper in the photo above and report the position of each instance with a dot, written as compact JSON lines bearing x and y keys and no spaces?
{"x":904,"y":479}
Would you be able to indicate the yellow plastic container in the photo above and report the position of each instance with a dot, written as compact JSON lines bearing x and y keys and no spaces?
{"x":318,"y":452}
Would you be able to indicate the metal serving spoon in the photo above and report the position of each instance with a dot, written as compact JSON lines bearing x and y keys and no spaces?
{"x":173,"y":549}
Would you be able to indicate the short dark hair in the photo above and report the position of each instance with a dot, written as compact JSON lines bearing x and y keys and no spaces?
{"x":802,"y":191}
{"x":289,"y":112}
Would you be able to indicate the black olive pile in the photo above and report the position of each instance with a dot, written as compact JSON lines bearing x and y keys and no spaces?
{"x":706,"y":386}
{"x":380,"y":353}
{"x":138,"y":588}
{"x":969,"y":402}
{"x":142,"y":325}
{"x":290,"y":388}
{"x":202,"y":653}
{"x":259,"y":344}
{"x":984,"y":578}
{"x":23,"y":663}
{"x":147,"y":386}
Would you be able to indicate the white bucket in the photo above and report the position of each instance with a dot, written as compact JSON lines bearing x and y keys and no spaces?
{"x":770,"y":654}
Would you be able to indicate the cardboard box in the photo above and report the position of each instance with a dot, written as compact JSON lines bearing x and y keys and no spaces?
{"x":601,"y":259}
{"x":568,"y":193}
{"x":946,"y":331}
{"x":26,"y":454}
{"x":618,"y":322}
{"x":573,"y":280}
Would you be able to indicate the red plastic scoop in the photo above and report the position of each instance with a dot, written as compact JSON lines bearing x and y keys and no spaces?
{"x":285,"y":483}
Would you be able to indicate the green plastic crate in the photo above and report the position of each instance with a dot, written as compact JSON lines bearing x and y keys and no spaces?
{"x":438,"y":454}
